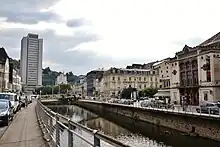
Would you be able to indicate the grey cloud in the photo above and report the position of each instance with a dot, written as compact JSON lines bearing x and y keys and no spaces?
{"x":27,"y":11}
{"x":29,"y":18}
{"x":76,"y":22}
{"x":55,"y":49}
{"x":26,"y":5}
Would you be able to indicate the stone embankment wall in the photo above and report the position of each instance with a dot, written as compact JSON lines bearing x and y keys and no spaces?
{"x":192,"y":125}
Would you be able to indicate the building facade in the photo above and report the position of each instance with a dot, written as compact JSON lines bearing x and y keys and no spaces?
{"x":91,"y":79}
{"x":164,"y":69}
{"x":81,"y":86}
{"x":196,"y":73}
{"x":116,"y":79}
{"x":16,"y":82}
{"x":61,"y":79}
{"x":4,"y":70}
{"x":31,"y":61}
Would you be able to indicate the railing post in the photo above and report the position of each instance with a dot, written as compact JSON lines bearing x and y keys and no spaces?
{"x":51,"y":124}
{"x":209,"y":111}
{"x":57,"y":131}
{"x":219,"y":112}
{"x":96,"y":140}
{"x":70,"y":135}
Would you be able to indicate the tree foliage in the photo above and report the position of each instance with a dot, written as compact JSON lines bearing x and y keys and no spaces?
{"x":126,"y":93}
{"x":149,"y":92}
{"x":63,"y":88}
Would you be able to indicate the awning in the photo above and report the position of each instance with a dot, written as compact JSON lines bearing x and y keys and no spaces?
{"x":163,"y":93}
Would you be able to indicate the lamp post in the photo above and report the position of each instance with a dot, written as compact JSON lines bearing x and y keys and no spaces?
{"x":40,"y":94}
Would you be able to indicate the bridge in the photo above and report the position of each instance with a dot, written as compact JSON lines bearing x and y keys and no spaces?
{"x":39,"y":126}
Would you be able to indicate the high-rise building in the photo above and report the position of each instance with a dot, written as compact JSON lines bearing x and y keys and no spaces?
{"x":31,"y":61}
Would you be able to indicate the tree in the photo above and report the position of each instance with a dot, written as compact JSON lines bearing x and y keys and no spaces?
{"x":126,"y":93}
{"x":64,"y":88}
{"x":149,"y":92}
{"x":46,"y":70}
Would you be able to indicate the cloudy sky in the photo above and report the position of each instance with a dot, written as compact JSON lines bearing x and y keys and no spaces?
{"x":80,"y":35}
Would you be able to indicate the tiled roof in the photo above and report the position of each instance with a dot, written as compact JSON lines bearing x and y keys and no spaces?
{"x":3,"y":55}
{"x":213,"y":39}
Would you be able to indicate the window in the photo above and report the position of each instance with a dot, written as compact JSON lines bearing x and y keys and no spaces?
{"x":144,"y":78}
{"x":140,"y":86}
{"x":151,"y":79}
{"x":113,"y":78}
{"x":139,"y":78}
{"x":205,"y":96}
{"x":129,"y":78}
{"x":145,"y":86}
{"x":174,"y":95}
{"x":118,"y":78}
{"x":208,"y":76}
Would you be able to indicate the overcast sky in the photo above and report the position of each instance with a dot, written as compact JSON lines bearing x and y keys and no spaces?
{"x":80,"y":35}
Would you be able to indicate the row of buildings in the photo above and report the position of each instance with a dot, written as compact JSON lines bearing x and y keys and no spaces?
{"x":9,"y":75}
{"x":194,"y":73}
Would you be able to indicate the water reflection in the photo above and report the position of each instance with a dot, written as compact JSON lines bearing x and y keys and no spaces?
{"x":153,"y":136}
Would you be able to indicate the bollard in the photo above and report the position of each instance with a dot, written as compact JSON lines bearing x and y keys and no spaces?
{"x":70,"y":135}
{"x":96,"y":140}
{"x":57,"y":131}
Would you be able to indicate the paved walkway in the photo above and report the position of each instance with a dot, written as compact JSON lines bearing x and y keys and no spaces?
{"x":24,"y":130}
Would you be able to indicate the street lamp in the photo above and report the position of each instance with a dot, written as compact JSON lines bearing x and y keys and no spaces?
{"x":40,"y":94}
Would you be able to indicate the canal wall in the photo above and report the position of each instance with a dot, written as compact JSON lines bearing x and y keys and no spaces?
{"x":202,"y":126}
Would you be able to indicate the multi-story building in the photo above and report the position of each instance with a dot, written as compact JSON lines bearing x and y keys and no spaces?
{"x":61,"y":79}
{"x":164,"y":78}
{"x":4,"y":70}
{"x":196,"y":72}
{"x":91,"y":79}
{"x":116,"y":79}
{"x":16,"y":82}
{"x":31,"y":61}
{"x":80,"y":86}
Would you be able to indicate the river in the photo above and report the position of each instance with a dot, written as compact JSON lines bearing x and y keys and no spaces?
{"x":152,"y":136}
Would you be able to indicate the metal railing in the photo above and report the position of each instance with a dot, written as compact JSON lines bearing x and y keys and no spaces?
{"x":188,"y":110}
{"x":63,"y":132}
{"x":176,"y":109}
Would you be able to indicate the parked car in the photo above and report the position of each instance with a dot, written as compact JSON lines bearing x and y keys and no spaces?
{"x":6,"y":111}
{"x":13,"y":99}
{"x":209,"y":107}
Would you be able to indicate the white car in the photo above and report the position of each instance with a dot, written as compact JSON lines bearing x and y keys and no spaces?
{"x":13,"y":98}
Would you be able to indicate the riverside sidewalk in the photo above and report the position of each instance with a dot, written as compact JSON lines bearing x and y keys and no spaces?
{"x":24,"y":130}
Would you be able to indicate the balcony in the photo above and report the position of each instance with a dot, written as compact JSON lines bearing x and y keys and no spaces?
{"x":212,"y":83}
{"x":189,"y":83}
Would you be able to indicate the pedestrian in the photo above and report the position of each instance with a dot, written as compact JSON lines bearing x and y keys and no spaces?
{"x":26,"y":101}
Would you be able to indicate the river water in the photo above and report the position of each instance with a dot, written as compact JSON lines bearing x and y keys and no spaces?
{"x":152,"y":136}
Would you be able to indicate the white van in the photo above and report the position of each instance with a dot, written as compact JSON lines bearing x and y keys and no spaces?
{"x":13,"y":98}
